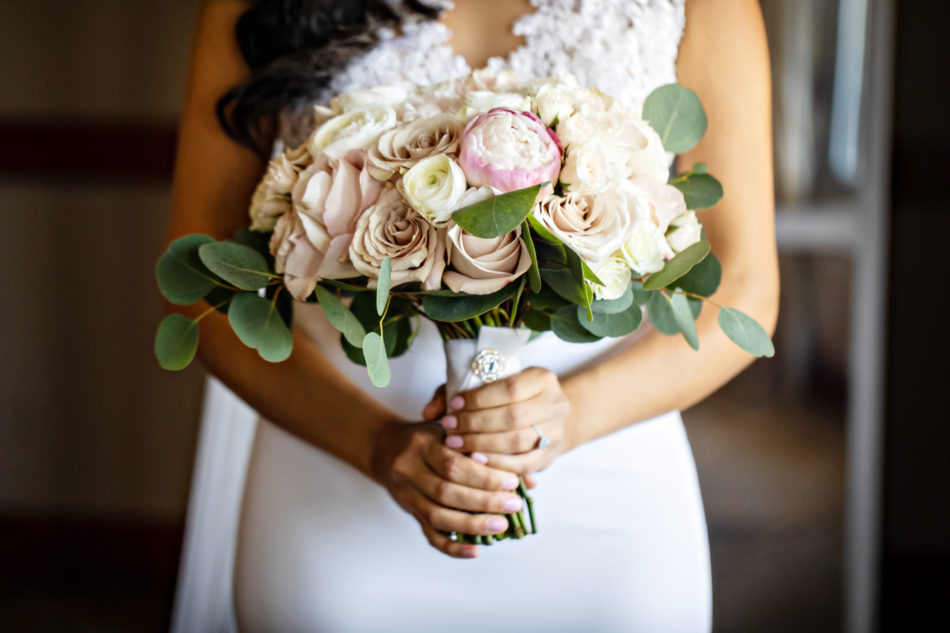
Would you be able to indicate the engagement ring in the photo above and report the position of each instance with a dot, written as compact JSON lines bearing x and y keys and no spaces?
{"x":543,"y":440}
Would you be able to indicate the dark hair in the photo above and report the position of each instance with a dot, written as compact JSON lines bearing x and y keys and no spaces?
{"x":293,"y":48}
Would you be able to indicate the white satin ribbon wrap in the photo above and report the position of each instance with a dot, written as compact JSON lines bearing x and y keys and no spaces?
{"x":459,"y":353}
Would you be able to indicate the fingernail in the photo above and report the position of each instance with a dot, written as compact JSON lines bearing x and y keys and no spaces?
{"x":509,"y":484}
{"x":497,"y":524}
{"x":449,"y":422}
{"x":457,"y":403}
{"x":470,"y":552}
{"x":512,"y":505}
{"x":481,"y":458}
{"x":453,"y":441}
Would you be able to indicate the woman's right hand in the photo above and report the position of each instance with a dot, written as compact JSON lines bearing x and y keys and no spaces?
{"x":437,"y":485}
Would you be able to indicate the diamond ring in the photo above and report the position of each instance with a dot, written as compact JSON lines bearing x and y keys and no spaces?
{"x":543,"y":440}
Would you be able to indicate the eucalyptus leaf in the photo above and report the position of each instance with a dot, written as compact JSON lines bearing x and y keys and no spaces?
{"x":567,"y":326}
{"x":235,"y":263}
{"x":181,"y":277}
{"x":462,"y":307}
{"x":612,"y":324}
{"x":176,"y":342}
{"x":259,"y":325}
{"x":534,"y":275}
{"x":684,"y":319}
{"x":700,"y":168}
{"x":745,"y":332}
{"x":641,"y":297}
{"x":660,"y":313}
{"x":677,"y":116}
{"x":546,"y":299}
{"x":377,"y":365}
{"x":681,"y":264}
{"x":568,"y":280}
{"x":700,"y":191}
{"x":341,"y":317}
{"x":382,"y":285}
{"x":613,"y":306}
{"x":499,"y":214}
{"x":703,"y":278}
{"x":536,"y":320}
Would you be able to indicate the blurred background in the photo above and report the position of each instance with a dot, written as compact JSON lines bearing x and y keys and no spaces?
{"x":824,"y":470}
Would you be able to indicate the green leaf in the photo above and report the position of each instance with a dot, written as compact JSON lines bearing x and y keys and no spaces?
{"x":377,"y":365}
{"x":342,"y":285}
{"x":340,"y":317}
{"x":462,"y":306}
{"x":382,"y":286}
{"x":589,"y":274}
{"x":700,"y":191}
{"x":641,"y":297}
{"x":546,"y":299}
{"x":684,"y":319}
{"x":235,"y":263}
{"x":660,"y":313}
{"x":499,"y":214}
{"x":613,"y":306}
{"x":536,"y":320}
{"x":543,"y":232}
{"x":567,"y":326}
{"x":534,"y":275}
{"x":397,"y":333}
{"x":568,"y":279}
{"x":258,"y":324}
{"x":700,"y":168}
{"x":745,"y":332}
{"x":181,"y":277}
{"x":703,"y":279}
{"x":612,"y":324}
{"x":176,"y":342}
{"x":677,"y":116}
{"x":681,"y":264}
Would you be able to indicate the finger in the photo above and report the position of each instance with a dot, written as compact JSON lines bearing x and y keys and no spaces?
{"x":530,"y":481}
{"x":453,"y":495}
{"x":450,"y":520}
{"x":525,"y":464}
{"x":517,"y":388}
{"x":455,"y":467}
{"x":510,"y":442}
{"x":447,"y":546}
{"x":436,"y":407}
{"x":505,"y":418}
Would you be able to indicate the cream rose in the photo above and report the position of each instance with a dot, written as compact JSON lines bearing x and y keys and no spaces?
{"x":593,"y":226}
{"x":392,"y":96}
{"x":271,"y":198}
{"x":433,"y":187}
{"x":483,"y":266}
{"x":391,"y":228}
{"x":684,"y":231}
{"x":651,"y":160}
{"x":356,"y":129}
{"x":403,"y":147}
{"x":666,"y":201}
{"x":615,"y":273}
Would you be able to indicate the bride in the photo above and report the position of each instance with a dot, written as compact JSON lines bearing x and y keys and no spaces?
{"x":332,"y":512}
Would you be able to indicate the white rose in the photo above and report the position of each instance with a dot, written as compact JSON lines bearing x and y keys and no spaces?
{"x":684,"y":231}
{"x":357,"y":129}
{"x":392,"y":96}
{"x":651,"y":160}
{"x":554,"y":102}
{"x":645,"y":251}
{"x":615,"y":273}
{"x":577,"y":130}
{"x":593,"y":168}
{"x":479,"y":101}
{"x":433,"y":187}
{"x":666,"y":201}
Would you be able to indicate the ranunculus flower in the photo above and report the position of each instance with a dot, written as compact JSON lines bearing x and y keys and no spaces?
{"x":684,"y":231}
{"x":356,"y":129}
{"x":593,"y":168}
{"x":509,"y":150}
{"x":615,"y":273}
{"x":433,"y":187}
{"x":483,"y":266}
{"x":406,"y":145}
{"x":391,"y":228}
{"x":593,"y":226}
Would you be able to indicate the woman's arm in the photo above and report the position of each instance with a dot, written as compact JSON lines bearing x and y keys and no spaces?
{"x":724,"y":58}
{"x":306,"y":394}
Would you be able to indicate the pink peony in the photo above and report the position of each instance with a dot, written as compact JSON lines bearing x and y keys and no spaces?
{"x":509,"y":150}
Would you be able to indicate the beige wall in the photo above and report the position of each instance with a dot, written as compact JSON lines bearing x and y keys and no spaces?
{"x":88,"y":423}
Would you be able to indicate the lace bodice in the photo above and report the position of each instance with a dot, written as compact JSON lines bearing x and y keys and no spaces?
{"x":623,"y":47}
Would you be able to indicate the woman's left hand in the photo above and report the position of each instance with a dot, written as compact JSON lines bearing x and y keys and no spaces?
{"x":495,"y":422}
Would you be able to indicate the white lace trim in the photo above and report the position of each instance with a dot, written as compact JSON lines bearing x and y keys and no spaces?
{"x":626,"y":48}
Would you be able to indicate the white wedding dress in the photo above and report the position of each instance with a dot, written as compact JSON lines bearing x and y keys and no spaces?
{"x":303,"y":542}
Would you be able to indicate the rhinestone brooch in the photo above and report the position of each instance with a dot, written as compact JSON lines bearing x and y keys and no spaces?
{"x":488,"y":365}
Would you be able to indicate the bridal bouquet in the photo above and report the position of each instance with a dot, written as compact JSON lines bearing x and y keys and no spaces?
{"x":494,"y":208}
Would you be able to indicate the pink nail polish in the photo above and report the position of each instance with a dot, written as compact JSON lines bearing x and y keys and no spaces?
{"x":481,"y":458}
{"x":509,"y":484}
{"x":449,"y":422}
{"x":457,"y":403}
{"x":453,"y":441}
{"x":512,"y":505}
{"x":471,"y":552}
{"x":496,"y":524}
